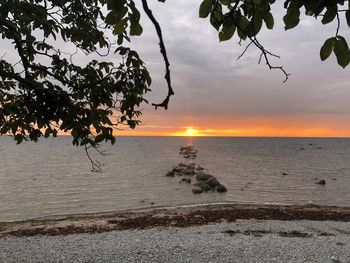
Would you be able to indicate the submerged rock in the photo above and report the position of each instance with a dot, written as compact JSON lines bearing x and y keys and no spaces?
{"x":196,"y":190}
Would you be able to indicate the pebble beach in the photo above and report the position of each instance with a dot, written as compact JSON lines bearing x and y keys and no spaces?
{"x":220,"y":233}
{"x":242,"y":241}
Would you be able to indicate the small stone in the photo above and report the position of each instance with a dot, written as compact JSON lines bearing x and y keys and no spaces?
{"x":221,"y":188}
{"x":170,"y":174}
{"x":177,"y":170}
{"x":321,"y":182}
{"x":196,"y":190}
{"x":188,"y":172}
{"x":199,"y":168}
{"x":284,"y":173}
{"x":187,"y":180}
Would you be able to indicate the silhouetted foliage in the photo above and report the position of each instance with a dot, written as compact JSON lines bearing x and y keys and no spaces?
{"x":246,"y":18}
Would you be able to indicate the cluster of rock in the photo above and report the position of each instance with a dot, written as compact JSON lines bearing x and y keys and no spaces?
{"x":205,"y":182}
{"x":188,"y":152}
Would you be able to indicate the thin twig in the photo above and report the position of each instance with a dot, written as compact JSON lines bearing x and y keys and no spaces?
{"x":244,"y":51}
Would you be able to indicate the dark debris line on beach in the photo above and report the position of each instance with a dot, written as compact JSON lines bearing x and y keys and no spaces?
{"x":205,"y":182}
{"x":163,"y":218}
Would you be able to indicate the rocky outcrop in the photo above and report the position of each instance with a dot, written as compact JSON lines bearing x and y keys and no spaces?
{"x":205,"y":182}
{"x":188,"y":152}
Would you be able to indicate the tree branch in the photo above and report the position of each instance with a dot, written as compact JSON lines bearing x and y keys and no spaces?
{"x":163,"y":52}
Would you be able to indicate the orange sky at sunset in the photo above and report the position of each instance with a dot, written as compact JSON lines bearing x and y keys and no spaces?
{"x":313,"y":126}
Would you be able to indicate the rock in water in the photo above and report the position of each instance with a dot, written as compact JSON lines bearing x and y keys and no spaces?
{"x":321,"y":182}
{"x":221,"y":188}
{"x":196,"y":190}
{"x":170,"y":174}
{"x":177,"y":170}
{"x":203,"y":185}
{"x":213,"y":182}
{"x":202,"y":176}
{"x":188,"y":171}
{"x":187,"y":180}
{"x":199,"y":168}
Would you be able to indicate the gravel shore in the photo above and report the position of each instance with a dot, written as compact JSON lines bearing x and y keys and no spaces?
{"x":240,"y":241}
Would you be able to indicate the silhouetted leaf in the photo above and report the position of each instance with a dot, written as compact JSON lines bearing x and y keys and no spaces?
{"x":342,"y":52}
{"x":291,"y":19}
{"x":227,"y":30}
{"x":135,"y":29}
{"x":269,"y":21}
{"x":327,"y":48}
{"x":205,"y":8}
{"x":329,"y":15}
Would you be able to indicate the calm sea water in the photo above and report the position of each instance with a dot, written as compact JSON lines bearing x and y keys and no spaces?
{"x":52,"y":177}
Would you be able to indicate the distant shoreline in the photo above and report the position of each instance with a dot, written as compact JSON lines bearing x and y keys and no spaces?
{"x":185,"y":216}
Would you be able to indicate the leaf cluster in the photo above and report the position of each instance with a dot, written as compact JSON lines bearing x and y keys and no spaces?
{"x":46,"y":92}
{"x":247,"y":17}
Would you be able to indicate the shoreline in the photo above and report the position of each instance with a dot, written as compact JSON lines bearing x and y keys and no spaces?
{"x":178,"y":217}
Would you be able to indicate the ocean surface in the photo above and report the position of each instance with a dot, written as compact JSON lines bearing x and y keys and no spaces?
{"x":53,"y":177}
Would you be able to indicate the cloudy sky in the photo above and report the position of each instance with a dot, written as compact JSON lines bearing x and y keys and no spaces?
{"x":219,"y":96}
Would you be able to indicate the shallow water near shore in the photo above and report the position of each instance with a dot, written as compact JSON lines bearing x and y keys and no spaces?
{"x":52,"y":177}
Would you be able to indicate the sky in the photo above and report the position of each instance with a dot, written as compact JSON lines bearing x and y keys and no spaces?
{"x":216,"y":95}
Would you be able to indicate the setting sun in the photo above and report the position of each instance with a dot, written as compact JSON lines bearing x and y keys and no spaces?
{"x":190,"y":131}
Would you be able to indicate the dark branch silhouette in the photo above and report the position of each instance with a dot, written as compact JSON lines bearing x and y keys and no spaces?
{"x":149,"y":13}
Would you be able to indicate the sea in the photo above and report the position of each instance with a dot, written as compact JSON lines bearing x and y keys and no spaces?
{"x":54,"y":178}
